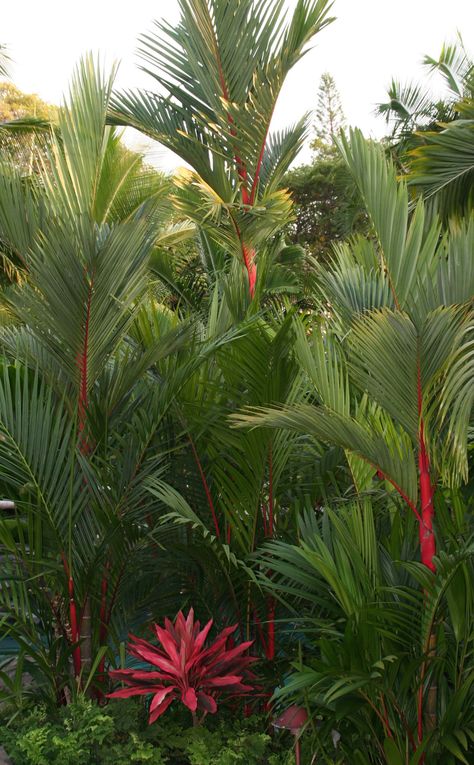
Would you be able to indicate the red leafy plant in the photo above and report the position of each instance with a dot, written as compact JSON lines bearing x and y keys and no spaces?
{"x":187,"y":669}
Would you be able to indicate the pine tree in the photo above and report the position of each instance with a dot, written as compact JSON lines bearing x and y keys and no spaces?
{"x":329,"y":117}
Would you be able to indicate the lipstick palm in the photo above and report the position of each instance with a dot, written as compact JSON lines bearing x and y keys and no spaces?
{"x":392,"y":369}
{"x":399,"y":334}
{"x":222,"y":68}
{"x":75,"y":454}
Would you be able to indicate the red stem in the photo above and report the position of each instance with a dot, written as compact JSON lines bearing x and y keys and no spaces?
{"x":426,"y":534}
{"x":206,"y":488}
{"x":427,"y":537}
{"x":76,"y":655}
{"x":297,"y":751}
{"x":427,"y":489}
{"x":400,"y":491}
{"x":247,"y":199}
{"x":249,"y":262}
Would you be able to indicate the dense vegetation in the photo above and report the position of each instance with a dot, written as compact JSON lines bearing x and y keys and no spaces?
{"x":199,"y":416}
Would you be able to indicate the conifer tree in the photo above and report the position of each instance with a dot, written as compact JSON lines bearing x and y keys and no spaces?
{"x":329,"y":117}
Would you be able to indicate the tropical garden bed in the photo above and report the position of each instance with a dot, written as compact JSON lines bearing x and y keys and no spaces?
{"x":237,"y":462}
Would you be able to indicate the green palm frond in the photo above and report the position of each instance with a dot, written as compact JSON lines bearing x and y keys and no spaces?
{"x":404,"y":244}
{"x":455,"y":66}
{"x":407,"y":107}
{"x":455,"y":273}
{"x":208,"y":63}
{"x":443,"y":166}
{"x":381,"y":444}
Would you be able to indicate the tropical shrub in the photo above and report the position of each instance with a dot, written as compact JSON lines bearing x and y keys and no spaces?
{"x":79,"y":410}
{"x":433,"y":137}
{"x":187,"y":668}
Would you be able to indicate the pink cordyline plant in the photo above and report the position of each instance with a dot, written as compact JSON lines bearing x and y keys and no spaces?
{"x":187,"y":670}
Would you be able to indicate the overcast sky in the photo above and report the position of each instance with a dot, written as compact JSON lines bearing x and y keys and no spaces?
{"x":370,"y":41}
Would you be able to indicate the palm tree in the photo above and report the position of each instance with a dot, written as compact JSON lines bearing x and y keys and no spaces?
{"x":80,"y":406}
{"x":392,"y":367}
{"x":222,"y":67}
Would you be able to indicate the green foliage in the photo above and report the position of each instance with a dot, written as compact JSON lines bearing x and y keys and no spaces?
{"x":87,"y":734}
{"x":364,"y":614}
{"x":16,"y":105}
{"x":328,"y":208}
{"x":131,"y":346}
{"x":433,"y":138}
{"x":25,"y":128}
{"x":221,"y":73}
{"x":70,"y":378}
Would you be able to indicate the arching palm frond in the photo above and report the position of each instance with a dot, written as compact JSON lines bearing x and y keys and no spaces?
{"x":442,"y":167}
{"x":433,"y":138}
{"x":363,"y":619}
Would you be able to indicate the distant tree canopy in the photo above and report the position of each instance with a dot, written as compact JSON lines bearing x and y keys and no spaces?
{"x":16,"y":105}
{"x":328,"y":207}
{"x":25,"y":127}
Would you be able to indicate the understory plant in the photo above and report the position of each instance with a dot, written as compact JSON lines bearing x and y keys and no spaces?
{"x":85,"y":733}
{"x":187,"y":668}
{"x":365,"y":616}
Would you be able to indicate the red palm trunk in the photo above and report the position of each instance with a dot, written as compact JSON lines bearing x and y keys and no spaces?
{"x":427,"y":538}
{"x":427,"y":553}
{"x":73,"y":621}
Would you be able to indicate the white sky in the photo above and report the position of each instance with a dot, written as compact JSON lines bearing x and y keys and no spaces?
{"x":371,"y":41}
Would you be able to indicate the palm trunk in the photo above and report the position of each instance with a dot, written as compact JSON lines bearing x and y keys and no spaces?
{"x":76,"y":656}
{"x":249,"y":261}
{"x":427,"y":712}
{"x":427,"y":538}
